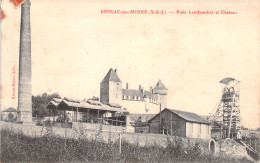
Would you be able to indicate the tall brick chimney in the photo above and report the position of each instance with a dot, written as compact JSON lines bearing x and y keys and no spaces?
{"x":24,"y":88}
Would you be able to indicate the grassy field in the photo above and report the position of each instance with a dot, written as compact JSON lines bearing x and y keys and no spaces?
{"x":16,"y":147}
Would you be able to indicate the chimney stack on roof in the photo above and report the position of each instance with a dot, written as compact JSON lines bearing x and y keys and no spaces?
{"x":140,"y":87}
{"x":116,"y":71}
{"x":127,"y":85}
{"x":151,"y":89}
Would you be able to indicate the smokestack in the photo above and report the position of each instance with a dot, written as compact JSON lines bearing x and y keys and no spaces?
{"x":127,"y":86}
{"x":24,"y":89}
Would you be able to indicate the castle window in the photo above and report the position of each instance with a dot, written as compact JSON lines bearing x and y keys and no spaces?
{"x":133,"y":97}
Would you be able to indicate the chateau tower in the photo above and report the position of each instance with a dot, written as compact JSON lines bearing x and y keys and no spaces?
{"x":111,"y":88}
{"x":162,"y":91}
{"x":24,"y":90}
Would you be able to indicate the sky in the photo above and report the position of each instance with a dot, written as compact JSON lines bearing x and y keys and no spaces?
{"x":74,"y":46}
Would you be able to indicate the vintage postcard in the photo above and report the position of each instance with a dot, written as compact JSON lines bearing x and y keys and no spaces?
{"x":130,"y":81}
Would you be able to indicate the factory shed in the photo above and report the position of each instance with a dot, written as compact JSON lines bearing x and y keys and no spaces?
{"x":180,"y":123}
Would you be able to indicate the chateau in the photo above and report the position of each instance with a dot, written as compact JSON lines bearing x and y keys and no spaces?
{"x":134,"y":100}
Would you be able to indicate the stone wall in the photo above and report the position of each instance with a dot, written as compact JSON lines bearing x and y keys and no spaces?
{"x":79,"y":132}
{"x":89,"y":126}
{"x":229,"y":148}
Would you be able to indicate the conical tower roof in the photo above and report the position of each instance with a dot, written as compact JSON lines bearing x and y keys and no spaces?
{"x":160,"y":86}
{"x":111,"y":76}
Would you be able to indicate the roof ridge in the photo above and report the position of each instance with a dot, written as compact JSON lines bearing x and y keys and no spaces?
{"x":160,"y":86}
{"x":111,"y":76}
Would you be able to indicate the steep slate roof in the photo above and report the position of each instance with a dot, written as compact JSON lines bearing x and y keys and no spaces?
{"x":10,"y":110}
{"x":138,"y":93}
{"x":150,"y":95}
{"x":132,"y":92}
{"x":188,"y":116}
{"x":160,"y":86}
{"x":111,"y":76}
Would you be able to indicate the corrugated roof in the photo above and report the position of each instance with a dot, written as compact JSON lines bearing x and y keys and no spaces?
{"x":116,"y":105}
{"x":10,"y":110}
{"x":86,"y":105}
{"x":160,"y":86}
{"x":192,"y":117}
{"x":188,"y":116}
{"x":55,"y":101}
{"x":111,"y":76}
{"x":93,"y":102}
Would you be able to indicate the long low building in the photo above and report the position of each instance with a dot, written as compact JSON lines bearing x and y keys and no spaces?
{"x":180,"y":123}
{"x":90,"y":111}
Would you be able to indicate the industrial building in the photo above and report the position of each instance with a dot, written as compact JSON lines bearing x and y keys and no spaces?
{"x":180,"y":123}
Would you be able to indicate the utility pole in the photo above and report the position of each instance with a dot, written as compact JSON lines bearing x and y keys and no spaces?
{"x":120,"y":144}
{"x":160,"y":121}
{"x":171,"y":123}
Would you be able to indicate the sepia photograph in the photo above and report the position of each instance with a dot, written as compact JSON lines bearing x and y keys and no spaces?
{"x":130,"y":81}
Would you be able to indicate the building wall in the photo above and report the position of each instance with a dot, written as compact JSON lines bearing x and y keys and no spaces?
{"x":153,"y":108}
{"x":110,"y":128}
{"x":173,"y":123}
{"x":110,"y":92}
{"x":134,"y":106}
{"x":104,"y":92}
{"x":198,"y":130}
{"x":5,"y":115}
{"x":163,"y":101}
{"x":140,"y":107}
{"x":115,"y":92}
{"x":162,"y":97}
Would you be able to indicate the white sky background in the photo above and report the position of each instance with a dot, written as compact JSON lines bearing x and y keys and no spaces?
{"x":74,"y":45}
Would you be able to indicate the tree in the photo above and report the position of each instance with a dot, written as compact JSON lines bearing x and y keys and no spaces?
{"x":40,"y":102}
{"x":11,"y":117}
